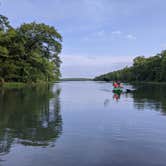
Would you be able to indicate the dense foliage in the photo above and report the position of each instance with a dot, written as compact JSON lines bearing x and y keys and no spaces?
{"x":29,"y":53}
{"x":143,"y":69}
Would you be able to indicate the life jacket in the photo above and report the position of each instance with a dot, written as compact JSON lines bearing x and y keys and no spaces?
{"x":115,"y":85}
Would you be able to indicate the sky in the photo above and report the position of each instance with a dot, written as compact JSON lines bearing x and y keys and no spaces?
{"x":99,"y":36}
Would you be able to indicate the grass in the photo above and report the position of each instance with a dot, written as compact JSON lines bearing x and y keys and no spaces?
{"x":19,"y":85}
{"x":12,"y":85}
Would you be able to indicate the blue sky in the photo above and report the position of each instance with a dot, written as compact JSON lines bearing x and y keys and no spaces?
{"x":98,"y":35}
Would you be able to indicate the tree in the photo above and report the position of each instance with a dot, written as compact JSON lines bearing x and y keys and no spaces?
{"x":4,"y":23}
{"x":143,"y":69}
{"x":29,"y":52}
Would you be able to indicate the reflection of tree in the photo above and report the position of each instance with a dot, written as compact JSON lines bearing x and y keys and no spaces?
{"x":29,"y":116}
{"x":150,"y":97}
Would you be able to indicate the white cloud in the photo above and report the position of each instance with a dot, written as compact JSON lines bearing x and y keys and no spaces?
{"x":90,"y":66}
{"x":94,"y":36}
{"x":107,"y":35}
{"x":131,"y":37}
{"x":100,"y":33}
{"x":117,"y":32}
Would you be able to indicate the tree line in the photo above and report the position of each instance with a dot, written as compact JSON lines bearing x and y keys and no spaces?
{"x":29,"y":53}
{"x":143,"y":69}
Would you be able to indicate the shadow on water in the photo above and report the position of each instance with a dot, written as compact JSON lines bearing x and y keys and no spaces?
{"x":149,"y":96}
{"x":29,"y":116}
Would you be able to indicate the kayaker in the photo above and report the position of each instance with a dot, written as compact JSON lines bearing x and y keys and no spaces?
{"x":115,"y":84}
{"x":119,"y":84}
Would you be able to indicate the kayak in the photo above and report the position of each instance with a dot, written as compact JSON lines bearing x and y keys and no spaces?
{"x":117,"y":90}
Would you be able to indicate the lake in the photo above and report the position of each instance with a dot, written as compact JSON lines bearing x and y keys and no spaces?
{"x":83,"y":124}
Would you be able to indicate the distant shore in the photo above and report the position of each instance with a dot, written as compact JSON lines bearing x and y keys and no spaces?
{"x":135,"y":82}
{"x":76,"y":79}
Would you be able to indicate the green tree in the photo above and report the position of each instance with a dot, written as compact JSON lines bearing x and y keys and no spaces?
{"x":143,"y":69}
{"x":29,"y":52}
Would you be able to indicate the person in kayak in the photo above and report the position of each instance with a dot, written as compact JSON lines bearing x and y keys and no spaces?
{"x":119,"y":84}
{"x":115,"y":84}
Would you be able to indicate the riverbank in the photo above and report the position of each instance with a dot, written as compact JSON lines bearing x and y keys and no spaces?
{"x":13,"y":85}
{"x":144,"y":82}
{"x":19,"y":85}
{"x":135,"y":82}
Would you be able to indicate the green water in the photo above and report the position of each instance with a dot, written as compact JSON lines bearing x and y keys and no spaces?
{"x":83,"y":123}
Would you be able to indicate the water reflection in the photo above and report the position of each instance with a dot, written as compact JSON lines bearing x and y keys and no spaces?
{"x":116,"y":96}
{"x":150,"y":97}
{"x":29,"y":116}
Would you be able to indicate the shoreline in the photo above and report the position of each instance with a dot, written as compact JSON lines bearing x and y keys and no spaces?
{"x":134,"y":82}
{"x":19,"y":85}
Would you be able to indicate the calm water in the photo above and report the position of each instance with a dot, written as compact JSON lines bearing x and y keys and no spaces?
{"x":83,"y":124}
